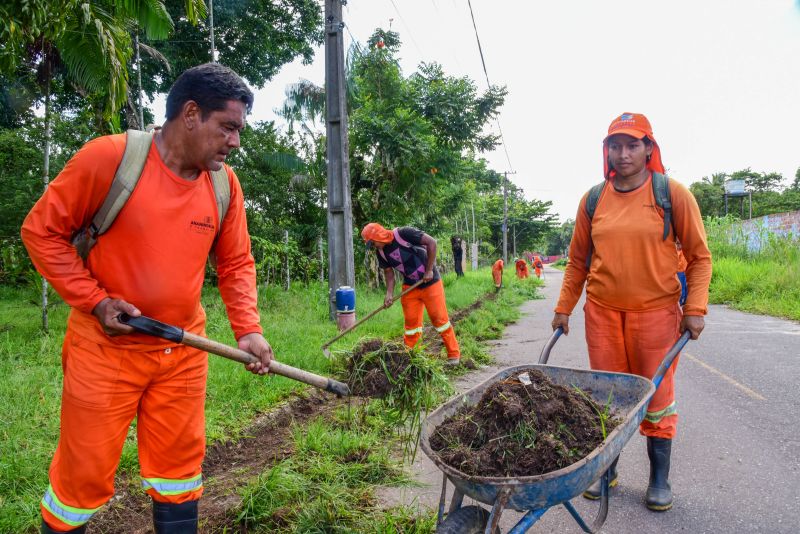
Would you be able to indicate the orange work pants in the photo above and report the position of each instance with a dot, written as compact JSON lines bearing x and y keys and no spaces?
{"x":497,"y":274}
{"x":522,"y":272}
{"x":538,"y":271}
{"x":104,"y":388}
{"x":432,"y":299}
{"x":636,"y":342}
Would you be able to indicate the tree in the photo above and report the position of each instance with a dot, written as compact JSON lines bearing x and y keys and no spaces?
{"x":253,"y":37}
{"x":709,"y":194}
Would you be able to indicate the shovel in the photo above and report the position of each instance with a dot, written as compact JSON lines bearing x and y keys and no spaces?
{"x":325,"y":349}
{"x":151,"y":327}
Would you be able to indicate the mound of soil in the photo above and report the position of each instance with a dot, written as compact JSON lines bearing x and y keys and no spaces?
{"x":372,"y":363}
{"x":521,"y":430}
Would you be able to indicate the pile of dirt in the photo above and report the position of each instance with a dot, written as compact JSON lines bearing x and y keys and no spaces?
{"x":372,"y":363}
{"x":521,"y":430}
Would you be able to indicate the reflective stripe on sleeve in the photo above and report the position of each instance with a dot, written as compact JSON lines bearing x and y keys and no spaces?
{"x":655,"y":417}
{"x":444,"y":327}
{"x":67,"y":514}
{"x":167,"y":486}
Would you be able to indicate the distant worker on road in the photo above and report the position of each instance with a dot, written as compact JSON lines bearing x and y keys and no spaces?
{"x":412,"y":252}
{"x":538,"y":265}
{"x":497,"y":274}
{"x":458,"y":255}
{"x":623,"y":249}
{"x":522,"y":268}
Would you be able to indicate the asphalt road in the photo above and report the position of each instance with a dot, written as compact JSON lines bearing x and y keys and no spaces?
{"x":736,"y":459}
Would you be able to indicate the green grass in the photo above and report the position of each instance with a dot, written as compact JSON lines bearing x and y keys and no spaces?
{"x":295,"y":322}
{"x":765,"y":282}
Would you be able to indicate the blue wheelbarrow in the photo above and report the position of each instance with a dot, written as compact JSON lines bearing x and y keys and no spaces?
{"x":534,"y":495}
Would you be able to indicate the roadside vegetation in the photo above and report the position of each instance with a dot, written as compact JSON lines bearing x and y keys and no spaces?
{"x":296,"y":324}
{"x":763,"y":280}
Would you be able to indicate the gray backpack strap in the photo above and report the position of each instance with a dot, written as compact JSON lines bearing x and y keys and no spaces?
{"x":664,"y":201}
{"x":137,"y":147}
{"x":591,"y":207}
{"x":222,"y":192}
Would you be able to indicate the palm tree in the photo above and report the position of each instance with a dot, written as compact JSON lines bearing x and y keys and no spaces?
{"x":90,"y":42}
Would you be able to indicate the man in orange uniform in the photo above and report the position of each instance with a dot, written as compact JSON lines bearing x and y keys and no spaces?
{"x":522,"y":268}
{"x":413,"y":253}
{"x":632,"y":290}
{"x":497,"y":274}
{"x":152,"y":260}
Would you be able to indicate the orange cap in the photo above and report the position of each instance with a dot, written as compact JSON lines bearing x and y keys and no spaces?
{"x":636,"y":125}
{"x":376,"y":232}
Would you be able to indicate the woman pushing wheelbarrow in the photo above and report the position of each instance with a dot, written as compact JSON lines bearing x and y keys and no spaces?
{"x":623,"y":250}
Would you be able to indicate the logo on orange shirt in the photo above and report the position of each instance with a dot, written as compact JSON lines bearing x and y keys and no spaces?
{"x":204,"y":227}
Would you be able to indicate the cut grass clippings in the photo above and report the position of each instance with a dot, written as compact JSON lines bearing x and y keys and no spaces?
{"x":407,"y":384}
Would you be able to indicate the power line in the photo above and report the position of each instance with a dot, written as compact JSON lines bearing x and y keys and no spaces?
{"x":483,"y":62}
{"x":408,"y":29}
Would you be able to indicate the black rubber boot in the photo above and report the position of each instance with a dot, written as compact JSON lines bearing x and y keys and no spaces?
{"x":171,"y":518}
{"x":659,"y":492}
{"x":593,"y":491}
{"x":47,"y":530}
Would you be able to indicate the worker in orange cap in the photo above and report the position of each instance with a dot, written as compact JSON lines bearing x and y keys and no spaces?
{"x":538,"y":265}
{"x":152,"y":260}
{"x":412,"y":252}
{"x":497,"y":274}
{"x":623,"y":249}
{"x":522,"y":268}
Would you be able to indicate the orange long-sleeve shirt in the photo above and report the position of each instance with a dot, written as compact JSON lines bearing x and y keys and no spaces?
{"x":632,"y":267}
{"x":155,"y":253}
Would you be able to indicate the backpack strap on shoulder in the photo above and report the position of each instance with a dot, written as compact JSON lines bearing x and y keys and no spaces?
{"x":664,"y":201}
{"x":222,"y":193}
{"x":591,"y":206}
{"x":137,"y":147}
{"x":400,"y":241}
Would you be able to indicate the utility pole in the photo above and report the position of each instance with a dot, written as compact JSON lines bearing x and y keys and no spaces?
{"x":341,"y":268}
{"x":139,"y":75}
{"x":211,"y":26}
{"x":505,"y":215}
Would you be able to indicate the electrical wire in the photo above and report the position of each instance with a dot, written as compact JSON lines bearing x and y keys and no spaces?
{"x":485,"y":72}
{"x":408,"y":29}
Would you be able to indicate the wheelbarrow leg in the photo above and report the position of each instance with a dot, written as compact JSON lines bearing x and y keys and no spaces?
{"x":497,"y":511}
{"x":527,"y":521}
{"x":601,"y":513}
{"x":440,"y":516}
{"x":455,"y":502}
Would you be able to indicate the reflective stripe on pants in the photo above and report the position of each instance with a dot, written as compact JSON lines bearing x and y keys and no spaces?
{"x":105,"y":387}
{"x":636,"y":342}
{"x":431,"y":299}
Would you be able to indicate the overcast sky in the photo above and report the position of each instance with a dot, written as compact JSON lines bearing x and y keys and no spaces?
{"x":718,"y":79}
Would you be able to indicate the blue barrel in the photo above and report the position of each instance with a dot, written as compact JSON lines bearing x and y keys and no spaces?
{"x":345,"y":300}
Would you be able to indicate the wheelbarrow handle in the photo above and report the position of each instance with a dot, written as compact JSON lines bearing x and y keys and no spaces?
{"x":545,"y":355}
{"x":152,"y":327}
{"x":670,"y":357}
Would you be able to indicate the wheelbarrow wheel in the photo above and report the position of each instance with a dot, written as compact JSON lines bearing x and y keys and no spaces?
{"x":466,"y":520}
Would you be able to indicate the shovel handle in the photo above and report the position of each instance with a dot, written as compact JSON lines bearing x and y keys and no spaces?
{"x":370,"y":316}
{"x":149,"y":326}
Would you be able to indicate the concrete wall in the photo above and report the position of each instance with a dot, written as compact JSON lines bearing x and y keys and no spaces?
{"x":755,"y":231}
